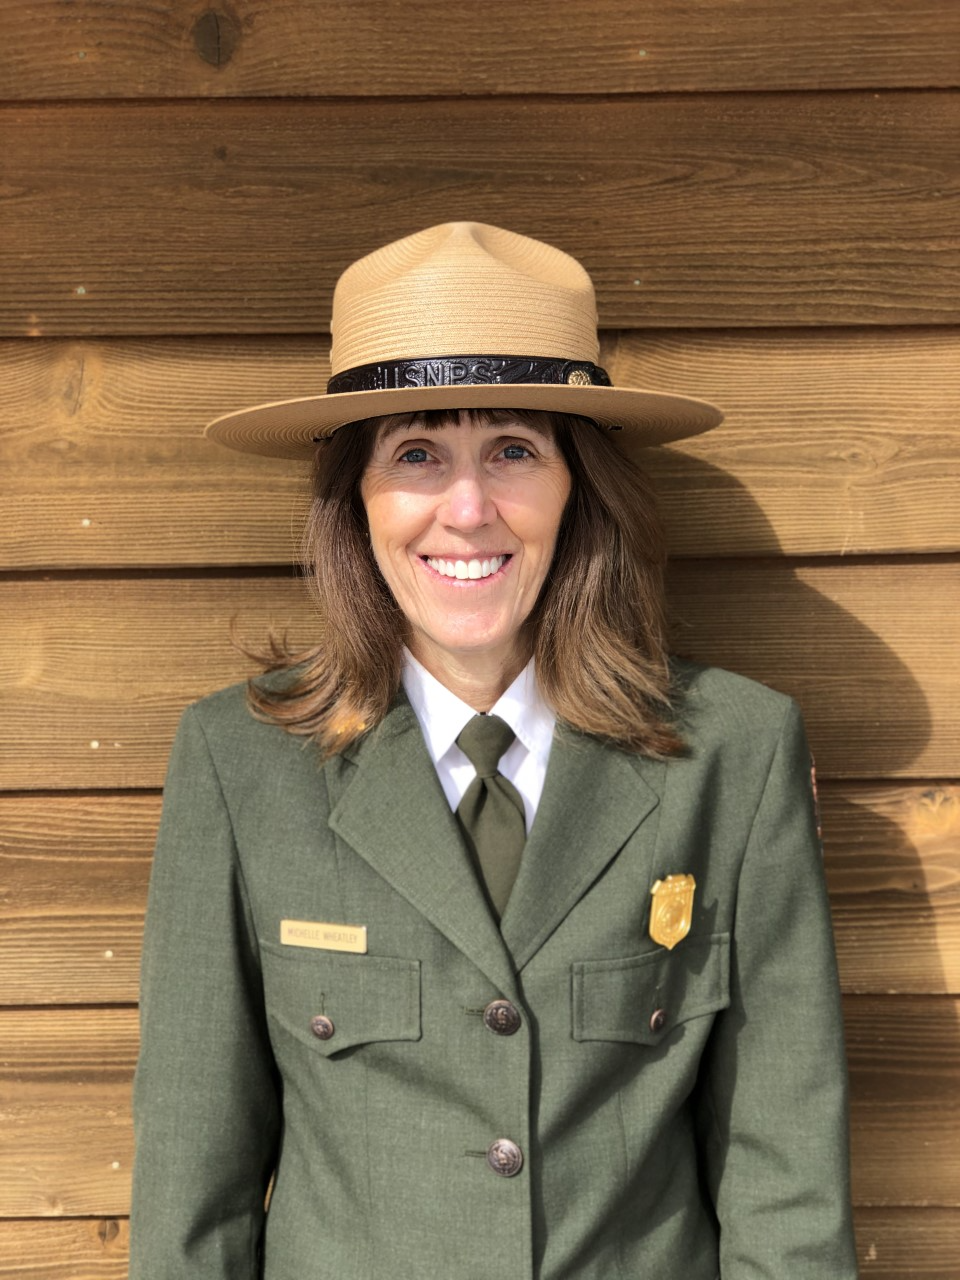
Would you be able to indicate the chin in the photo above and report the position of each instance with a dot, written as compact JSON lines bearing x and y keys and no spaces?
{"x":476,"y":641}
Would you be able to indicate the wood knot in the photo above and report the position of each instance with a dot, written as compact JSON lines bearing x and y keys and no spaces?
{"x":108,"y":1229}
{"x":215,"y":37}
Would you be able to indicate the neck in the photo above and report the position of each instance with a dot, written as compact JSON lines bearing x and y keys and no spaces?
{"x":478,"y":679}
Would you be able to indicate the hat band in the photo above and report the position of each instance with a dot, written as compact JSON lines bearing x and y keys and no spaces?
{"x":464,"y":371}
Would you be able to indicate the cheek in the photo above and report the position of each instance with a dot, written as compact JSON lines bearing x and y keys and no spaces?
{"x":388,"y":521}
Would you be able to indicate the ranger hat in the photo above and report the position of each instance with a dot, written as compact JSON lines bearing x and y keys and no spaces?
{"x":464,"y":316}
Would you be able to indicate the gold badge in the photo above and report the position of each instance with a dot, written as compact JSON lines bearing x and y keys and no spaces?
{"x":671,"y":912}
{"x":325,"y":937}
{"x":579,"y":378}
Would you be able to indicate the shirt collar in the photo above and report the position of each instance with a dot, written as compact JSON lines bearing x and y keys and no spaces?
{"x":442,"y":714}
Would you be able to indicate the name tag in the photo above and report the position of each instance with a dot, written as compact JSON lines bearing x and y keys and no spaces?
{"x":325,"y":937}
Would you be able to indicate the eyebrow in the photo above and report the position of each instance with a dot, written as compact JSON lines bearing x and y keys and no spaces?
{"x":415,"y":428}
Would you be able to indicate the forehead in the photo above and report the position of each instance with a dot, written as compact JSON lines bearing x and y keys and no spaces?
{"x":474,"y":420}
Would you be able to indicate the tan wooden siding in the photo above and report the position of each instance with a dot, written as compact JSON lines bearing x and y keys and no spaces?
{"x":836,"y":442}
{"x":737,"y":209}
{"x":263,"y":48}
{"x":77,"y":1249}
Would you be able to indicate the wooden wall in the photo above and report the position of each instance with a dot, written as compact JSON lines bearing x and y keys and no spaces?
{"x":766,"y":194}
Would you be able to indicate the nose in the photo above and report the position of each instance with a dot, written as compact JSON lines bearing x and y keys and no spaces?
{"x":467,"y":503}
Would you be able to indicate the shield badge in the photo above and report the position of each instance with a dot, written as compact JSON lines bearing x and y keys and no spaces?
{"x":671,"y":912}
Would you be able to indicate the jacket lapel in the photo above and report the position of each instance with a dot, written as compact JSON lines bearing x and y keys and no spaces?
{"x":594,"y":798}
{"x":393,"y":813}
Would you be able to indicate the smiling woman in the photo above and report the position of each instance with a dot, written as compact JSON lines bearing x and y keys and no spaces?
{"x":463,"y":525}
{"x":579,"y":589}
{"x":492,"y":917}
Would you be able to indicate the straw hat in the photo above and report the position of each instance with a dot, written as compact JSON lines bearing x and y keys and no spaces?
{"x":463,"y":316}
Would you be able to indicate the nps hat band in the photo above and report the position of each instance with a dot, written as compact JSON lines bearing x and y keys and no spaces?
{"x":463,"y":371}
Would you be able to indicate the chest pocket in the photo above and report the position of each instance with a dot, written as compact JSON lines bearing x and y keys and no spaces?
{"x":331,"y":1002}
{"x":641,"y":999}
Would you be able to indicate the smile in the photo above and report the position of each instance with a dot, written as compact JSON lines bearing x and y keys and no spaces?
{"x":466,"y":568}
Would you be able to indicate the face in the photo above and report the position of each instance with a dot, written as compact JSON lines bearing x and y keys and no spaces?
{"x":463,"y":523}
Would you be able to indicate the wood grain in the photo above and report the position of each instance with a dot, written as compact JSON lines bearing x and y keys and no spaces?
{"x":893,"y":1244}
{"x":836,"y":441}
{"x":893,"y":869}
{"x":66,"y":1140}
{"x":71,"y":1249}
{"x":866,"y":648}
{"x":908,"y":1244}
{"x":94,"y":673}
{"x":74,"y":872}
{"x":904,"y":1056}
{"x":265,"y":48}
{"x":733,"y":210}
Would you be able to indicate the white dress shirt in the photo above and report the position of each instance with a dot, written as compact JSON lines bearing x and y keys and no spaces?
{"x":442,"y":716}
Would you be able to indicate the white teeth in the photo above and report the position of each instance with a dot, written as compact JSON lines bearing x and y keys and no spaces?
{"x":466,"y":568}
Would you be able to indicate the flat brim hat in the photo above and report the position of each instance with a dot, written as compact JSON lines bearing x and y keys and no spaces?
{"x":464,"y":316}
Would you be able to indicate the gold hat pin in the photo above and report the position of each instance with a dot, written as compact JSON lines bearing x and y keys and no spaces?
{"x":671,"y":912}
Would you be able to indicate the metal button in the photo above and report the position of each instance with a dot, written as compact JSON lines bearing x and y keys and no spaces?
{"x":322,"y":1027}
{"x":658,"y":1020}
{"x":501,"y":1017}
{"x":505,"y":1157}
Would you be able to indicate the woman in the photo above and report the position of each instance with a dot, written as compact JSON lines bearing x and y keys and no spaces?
{"x":492,"y":938}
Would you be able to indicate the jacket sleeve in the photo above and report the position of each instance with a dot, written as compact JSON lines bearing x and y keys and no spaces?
{"x":774,"y":1083}
{"x":206,"y":1109}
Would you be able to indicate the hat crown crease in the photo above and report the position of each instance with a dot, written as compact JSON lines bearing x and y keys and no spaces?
{"x":463,"y":289}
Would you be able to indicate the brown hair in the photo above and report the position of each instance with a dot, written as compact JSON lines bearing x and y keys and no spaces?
{"x":597,"y":631}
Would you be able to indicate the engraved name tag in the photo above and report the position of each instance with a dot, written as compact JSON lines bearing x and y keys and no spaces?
{"x":323,"y":936}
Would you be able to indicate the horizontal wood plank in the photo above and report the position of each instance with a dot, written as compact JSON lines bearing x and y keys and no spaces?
{"x":836,"y":441}
{"x":904,"y":1057}
{"x":75,"y":871}
{"x":94,"y":674}
{"x":737,"y":210}
{"x":66,"y":1138}
{"x":261,"y":48}
{"x":867,"y":650}
{"x":908,"y":1244}
{"x":70,"y":1249}
{"x":893,"y":868}
{"x":892,"y":1244}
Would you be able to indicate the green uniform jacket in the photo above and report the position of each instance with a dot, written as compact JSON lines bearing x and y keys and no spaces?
{"x":681,"y":1113}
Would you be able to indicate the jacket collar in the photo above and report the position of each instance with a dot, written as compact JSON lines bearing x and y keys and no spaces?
{"x":393,"y":813}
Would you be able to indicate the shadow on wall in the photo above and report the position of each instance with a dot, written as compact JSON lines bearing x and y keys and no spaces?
{"x":890,"y":846}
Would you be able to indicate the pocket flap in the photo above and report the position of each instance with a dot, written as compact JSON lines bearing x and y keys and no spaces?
{"x":360,"y":998}
{"x":642,"y":998}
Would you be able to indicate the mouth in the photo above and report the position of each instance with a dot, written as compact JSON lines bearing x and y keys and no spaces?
{"x":476,"y":568}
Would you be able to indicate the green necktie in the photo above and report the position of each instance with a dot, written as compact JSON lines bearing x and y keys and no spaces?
{"x":491,"y":811}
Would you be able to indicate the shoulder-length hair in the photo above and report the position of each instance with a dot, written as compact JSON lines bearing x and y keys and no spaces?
{"x":597,"y":631}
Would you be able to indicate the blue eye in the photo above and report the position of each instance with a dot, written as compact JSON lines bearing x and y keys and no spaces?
{"x":417,"y":454}
{"x":515,"y":452}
